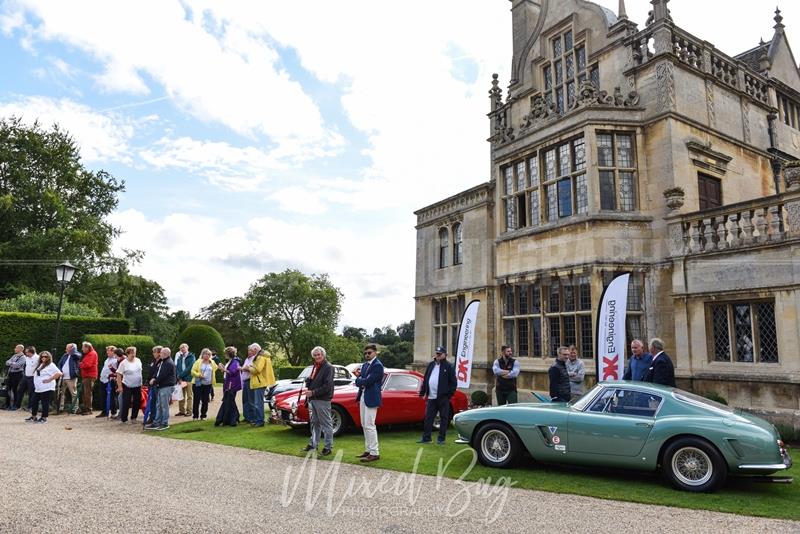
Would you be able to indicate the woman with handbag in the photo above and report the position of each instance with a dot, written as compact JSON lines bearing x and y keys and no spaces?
{"x":204,"y":373}
{"x":44,"y":384}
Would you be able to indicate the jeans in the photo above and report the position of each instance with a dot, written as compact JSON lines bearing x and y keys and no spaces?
{"x":321,"y":422}
{"x":200,"y":400}
{"x":152,"y":399}
{"x":247,"y":402}
{"x":506,"y":397}
{"x":131,"y":399}
{"x":109,"y":397}
{"x":258,"y":405}
{"x":162,"y":416}
{"x":44,"y":398}
{"x":432,"y":407}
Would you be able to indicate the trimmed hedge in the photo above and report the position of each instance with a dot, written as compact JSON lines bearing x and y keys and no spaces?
{"x":38,"y":330}
{"x":199,"y":337}
{"x":285,"y":373}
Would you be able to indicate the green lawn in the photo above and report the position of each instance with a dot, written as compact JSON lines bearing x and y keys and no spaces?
{"x":399,"y":451}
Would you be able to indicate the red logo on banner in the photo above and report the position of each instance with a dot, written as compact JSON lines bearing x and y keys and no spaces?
{"x":610,"y":367}
{"x":462,"y":369}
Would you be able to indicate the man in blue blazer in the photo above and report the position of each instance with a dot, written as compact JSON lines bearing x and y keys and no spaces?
{"x":661,"y":370}
{"x":369,"y":380}
{"x":438,"y":386}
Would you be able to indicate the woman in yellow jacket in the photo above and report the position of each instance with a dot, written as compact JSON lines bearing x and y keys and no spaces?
{"x":261,"y":377}
{"x":204,"y":377}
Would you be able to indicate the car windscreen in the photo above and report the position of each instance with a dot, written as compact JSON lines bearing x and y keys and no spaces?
{"x":581,"y":403}
{"x":691,"y":398}
{"x":306,"y":372}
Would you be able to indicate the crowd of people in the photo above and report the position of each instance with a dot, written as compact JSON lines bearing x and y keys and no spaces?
{"x":190,"y":381}
{"x":125,"y":390}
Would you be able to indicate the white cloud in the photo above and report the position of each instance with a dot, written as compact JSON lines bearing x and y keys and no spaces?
{"x":101,"y":137}
{"x":219,"y":73}
{"x":201,"y":259}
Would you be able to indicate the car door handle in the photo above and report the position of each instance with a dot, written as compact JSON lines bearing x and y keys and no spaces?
{"x":646,"y":425}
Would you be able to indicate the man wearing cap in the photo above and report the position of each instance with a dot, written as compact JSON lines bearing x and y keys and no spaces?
{"x":438,"y":386}
{"x":506,"y":369}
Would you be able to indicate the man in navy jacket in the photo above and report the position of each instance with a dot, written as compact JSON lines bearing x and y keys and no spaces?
{"x":661,"y":370}
{"x":368,"y":381}
{"x":438,"y":386}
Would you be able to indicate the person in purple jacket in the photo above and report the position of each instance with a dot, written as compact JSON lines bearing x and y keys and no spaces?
{"x":228,"y":413}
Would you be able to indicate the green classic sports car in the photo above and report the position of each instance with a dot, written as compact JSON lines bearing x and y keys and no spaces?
{"x":630,"y":425}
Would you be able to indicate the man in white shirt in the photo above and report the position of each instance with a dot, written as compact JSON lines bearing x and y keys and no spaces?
{"x":26,"y":385}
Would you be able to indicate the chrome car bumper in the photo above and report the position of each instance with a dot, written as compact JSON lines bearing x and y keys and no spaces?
{"x":787,"y":464}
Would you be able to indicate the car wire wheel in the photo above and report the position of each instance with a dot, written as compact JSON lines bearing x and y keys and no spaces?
{"x":496,"y":446}
{"x":692,"y":466}
{"x":336,"y":421}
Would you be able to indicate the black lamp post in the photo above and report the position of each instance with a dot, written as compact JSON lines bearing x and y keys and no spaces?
{"x":64,"y":273}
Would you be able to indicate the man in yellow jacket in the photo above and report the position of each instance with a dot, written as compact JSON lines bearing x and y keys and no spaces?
{"x":261,"y":377}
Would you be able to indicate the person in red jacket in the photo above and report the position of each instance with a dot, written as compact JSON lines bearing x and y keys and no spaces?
{"x":88,"y":368}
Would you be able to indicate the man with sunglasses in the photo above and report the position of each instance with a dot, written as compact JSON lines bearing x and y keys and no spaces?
{"x":368,"y":381}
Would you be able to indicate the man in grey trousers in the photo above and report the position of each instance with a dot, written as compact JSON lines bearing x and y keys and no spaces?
{"x":319,"y":392}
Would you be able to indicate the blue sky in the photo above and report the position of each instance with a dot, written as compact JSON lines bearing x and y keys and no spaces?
{"x":264,"y":135}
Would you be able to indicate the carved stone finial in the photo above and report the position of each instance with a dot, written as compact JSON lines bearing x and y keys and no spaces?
{"x":621,"y":13}
{"x":778,"y":20}
{"x":659,"y":12}
{"x":495,"y":93}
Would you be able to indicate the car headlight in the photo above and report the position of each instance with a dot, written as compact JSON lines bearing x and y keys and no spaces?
{"x":294,"y":407}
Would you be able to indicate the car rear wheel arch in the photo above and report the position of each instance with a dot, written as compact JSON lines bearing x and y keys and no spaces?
{"x":675,"y":438}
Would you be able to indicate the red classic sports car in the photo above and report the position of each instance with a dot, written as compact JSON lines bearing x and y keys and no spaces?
{"x":401,"y":403}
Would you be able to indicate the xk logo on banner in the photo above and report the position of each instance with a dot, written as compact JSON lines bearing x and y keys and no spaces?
{"x":611,"y":329}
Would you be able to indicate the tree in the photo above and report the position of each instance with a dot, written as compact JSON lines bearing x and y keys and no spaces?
{"x":226,"y":315}
{"x":356,"y":334}
{"x":406,"y":331}
{"x":384,"y":336}
{"x":279,"y":304}
{"x":397,"y":355}
{"x":51,"y":208}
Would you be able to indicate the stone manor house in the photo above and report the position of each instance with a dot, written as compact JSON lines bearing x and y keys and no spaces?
{"x":648,"y":150}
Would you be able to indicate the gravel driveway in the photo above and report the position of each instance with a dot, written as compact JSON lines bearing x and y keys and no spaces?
{"x":80,"y":474}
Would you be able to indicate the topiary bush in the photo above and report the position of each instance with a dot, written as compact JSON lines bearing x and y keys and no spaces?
{"x":479,"y":398}
{"x":199,"y":337}
{"x":39,"y":330}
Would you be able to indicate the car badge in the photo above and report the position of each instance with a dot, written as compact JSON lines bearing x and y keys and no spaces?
{"x":552,"y":429}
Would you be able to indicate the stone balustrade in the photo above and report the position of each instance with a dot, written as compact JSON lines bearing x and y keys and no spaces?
{"x":666,"y":38}
{"x":769,"y":220}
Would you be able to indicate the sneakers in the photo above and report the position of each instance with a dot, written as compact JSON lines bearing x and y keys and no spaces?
{"x":194,"y":418}
{"x":41,"y":420}
{"x":151,"y":427}
{"x":370,"y":458}
{"x":203,"y":418}
{"x":307,"y":448}
{"x":326,"y":452}
{"x":439,"y":442}
{"x":162,"y":427}
{"x":100,"y":415}
{"x":30,"y":419}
